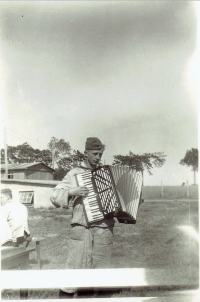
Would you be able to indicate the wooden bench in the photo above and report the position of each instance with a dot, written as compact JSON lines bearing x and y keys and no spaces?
{"x":14,"y":256}
{"x":37,"y":241}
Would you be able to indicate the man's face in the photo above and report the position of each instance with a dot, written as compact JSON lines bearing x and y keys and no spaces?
{"x":4,"y":199}
{"x":94,"y":157}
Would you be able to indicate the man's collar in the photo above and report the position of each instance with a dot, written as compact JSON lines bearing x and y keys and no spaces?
{"x":8,"y":201}
{"x":86,"y":164}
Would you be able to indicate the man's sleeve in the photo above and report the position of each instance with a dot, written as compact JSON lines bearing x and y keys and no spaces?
{"x":60,"y":195}
{"x":6,"y":233}
{"x":26,"y":226}
{"x":6,"y":211}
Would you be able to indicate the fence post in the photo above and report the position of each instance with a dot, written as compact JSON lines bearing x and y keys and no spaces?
{"x":161,"y":189}
{"x":187,"y":190}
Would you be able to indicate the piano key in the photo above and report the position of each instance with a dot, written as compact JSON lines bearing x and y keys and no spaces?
{"x":92,"y":208}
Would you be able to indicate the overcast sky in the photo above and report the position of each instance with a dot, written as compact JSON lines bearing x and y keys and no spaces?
{"x":121,"y":71}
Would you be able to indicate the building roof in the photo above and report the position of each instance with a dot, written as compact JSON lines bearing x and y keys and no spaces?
{"x":23,"y":166}
{"x":48,"y":183}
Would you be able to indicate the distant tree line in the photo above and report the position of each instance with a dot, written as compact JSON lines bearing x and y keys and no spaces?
{"x":60,"y":156}
{"x":57,"y":149}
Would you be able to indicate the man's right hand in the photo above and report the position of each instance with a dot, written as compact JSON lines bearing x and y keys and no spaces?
{"x":79,"y":191}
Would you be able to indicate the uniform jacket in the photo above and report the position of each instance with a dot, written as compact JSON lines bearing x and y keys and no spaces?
{"x":60,"y":198}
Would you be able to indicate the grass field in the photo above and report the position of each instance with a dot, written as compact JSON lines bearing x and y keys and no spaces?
{"x":159,"y":239}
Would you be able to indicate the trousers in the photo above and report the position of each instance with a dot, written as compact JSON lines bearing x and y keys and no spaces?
{"x":89,"y":248}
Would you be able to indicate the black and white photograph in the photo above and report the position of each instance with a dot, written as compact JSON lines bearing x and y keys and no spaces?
{"x":99,"y":150}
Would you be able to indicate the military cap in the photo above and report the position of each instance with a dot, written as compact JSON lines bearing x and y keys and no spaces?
{"x":6,"y":191}
{"x":93,"y":143}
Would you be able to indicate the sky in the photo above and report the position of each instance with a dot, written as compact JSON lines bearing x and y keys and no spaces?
{"x":124,"y":72}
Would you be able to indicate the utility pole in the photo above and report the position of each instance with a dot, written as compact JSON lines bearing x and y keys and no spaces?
{"x":187,"y":190}
{"x":194,"y":176}
{"x":161,"y":189}
{"x":6,"y":158}
{"x":53,"y":154}
{"x":142,"y":177}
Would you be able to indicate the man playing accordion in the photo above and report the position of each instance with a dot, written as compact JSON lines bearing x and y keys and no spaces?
{"x":90,"y":245}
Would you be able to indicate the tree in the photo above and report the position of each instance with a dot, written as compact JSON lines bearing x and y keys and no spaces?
{"x":78,"y":157}
{"x":191,"y":159}
{"x":18,"y":154}
{"x":65,"y":164}
{"x":141,"y":162}
{"x":44,"y":156}
{"x":24,"y":153}
{"x":59,"y":148}
{"x":63,"y":156}
{"x":59,"y":173}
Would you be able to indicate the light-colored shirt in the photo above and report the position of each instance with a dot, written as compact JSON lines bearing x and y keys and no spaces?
{"x":60,"y":198}
{"x":17,"y":217}
{"x":6,"y":233}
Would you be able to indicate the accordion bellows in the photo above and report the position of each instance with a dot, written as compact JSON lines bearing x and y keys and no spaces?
{"x":114,"y":191}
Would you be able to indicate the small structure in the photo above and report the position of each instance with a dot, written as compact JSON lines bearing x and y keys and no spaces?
{"x":31,"y":192}
{"x":37,"y":170}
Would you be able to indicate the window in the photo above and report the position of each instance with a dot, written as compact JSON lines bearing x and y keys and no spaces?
{"x":10,"y":175}
{"x":26,"y":197}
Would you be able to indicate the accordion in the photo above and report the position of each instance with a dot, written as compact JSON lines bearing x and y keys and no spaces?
{"x":114,"y":191}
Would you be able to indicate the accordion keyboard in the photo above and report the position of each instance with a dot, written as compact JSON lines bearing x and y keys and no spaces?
{"x":90,"y":202}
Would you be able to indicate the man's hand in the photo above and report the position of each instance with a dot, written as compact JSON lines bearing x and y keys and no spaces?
{"x":79,"y":191}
